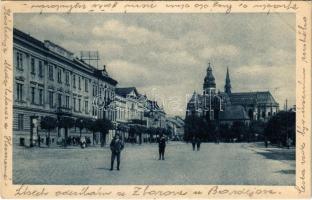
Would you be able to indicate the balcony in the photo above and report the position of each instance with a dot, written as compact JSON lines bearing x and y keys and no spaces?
{"x":63,"y":111}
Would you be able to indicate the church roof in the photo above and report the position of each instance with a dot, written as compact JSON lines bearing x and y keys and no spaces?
{"x":244,"y":98}
{"x":209,"y":81}
{"x":233,"y":112}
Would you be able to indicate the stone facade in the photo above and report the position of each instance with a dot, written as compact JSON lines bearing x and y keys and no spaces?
{"x":133,"y":108}
{"x":50,"y":81}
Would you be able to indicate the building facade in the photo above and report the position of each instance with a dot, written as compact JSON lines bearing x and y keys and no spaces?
{"x":50,"y":81}
{"x":227,"y":107}
{"x":175,"y":126}
{"x":136,"y":110}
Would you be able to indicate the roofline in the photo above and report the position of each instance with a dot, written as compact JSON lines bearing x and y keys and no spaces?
{"x":39,"y":45}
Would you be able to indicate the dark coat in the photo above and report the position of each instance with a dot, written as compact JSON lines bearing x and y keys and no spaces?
{"x":162,"y":142}
{"x":116,"y":146}
{"x":198,"y":141}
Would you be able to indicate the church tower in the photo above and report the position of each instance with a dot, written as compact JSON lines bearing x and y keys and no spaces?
{"x":209,"y":82}
{"x":227,"y":87}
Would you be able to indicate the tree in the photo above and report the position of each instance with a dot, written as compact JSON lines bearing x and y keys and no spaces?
{"x":238,"y":130}
{"x":256,"y":130}
{"x":48,"y":123}
{"x":80,"y":123}
{"x":151,"y":131}
{"x":103,"y":126}
{"x":122,"y":128}
{"x":193,"y":127}
{"x":91,"y":126}
{"x":208,"y":130}
{"x":281,"y":127}
{"x":66,"y":123}
{"x":224,"y":130}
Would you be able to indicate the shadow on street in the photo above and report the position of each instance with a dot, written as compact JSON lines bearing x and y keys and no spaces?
{"x":278,"y":155}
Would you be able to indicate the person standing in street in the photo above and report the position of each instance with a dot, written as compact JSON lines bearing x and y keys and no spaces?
{"x":193,"y":143}
{"x":198,"y":143}
{"x":161,"y":147}
{"x":116,"y":147}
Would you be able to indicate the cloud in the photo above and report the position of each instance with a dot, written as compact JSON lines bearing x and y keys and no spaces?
{"x":279,"y":80}
{"x":132,"y":34}
{"x":170,"y":52}
{"x":54,"y":22}
{"x":127,"y":74}
{"x":219,"y":51}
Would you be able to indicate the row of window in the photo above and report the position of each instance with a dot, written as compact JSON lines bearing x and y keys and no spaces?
{"x":76,"y":79}
{"x":104,"y":92}
{"x":34,"y":63}
{"x":76,"y":102}
{"x":127,"y":114}
{"x":40,"y":99}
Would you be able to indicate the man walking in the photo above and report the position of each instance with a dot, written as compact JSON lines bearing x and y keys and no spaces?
{"x":193,"y":143}
{"x":198,"y":143}
{"x":116,"y":147}
{"x":162,"y":146}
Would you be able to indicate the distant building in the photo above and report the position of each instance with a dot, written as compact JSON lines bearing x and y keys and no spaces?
{"x":176,"y":126}
{"x":227,"y":107}
{"x":135,"y":109}
{"x":50,"y":81}
{"x":129,"y":110}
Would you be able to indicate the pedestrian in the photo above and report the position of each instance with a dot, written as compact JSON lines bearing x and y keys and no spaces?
{"x":198,"y":143}
{"x":289,"y":142}
{"x":193,"y":143}
{"x":116,"y":147}
{"x":83,"y":142}
{"x":39,"y":140}
{"x":161,"y":147}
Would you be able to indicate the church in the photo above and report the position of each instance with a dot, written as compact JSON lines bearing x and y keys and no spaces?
{"x":227,"y":106}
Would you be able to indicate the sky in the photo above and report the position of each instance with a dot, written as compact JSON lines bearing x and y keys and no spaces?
{"x":165,"y":56}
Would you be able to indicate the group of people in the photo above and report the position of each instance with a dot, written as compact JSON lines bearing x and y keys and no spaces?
{"x":117,"y":146}
{"x":196,"y":143}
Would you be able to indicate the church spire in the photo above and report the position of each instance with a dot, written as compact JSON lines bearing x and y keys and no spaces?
{"x":227,"y":87}
{"x":209,"y":81}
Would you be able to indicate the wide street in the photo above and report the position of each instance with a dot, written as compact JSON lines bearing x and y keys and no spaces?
{"x":239,"y":163}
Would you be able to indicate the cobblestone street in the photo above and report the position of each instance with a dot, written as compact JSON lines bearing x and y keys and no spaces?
{"x":240,"y":163}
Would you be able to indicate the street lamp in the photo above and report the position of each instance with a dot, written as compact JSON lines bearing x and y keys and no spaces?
{"x":34,"y":129}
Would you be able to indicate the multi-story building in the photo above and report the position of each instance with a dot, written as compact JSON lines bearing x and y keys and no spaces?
{"x":176,"y":127}
{"x":130,"y":108}
{"x":156,"y":115}
{"x":50,"y":81}
{"x":134,"y":109}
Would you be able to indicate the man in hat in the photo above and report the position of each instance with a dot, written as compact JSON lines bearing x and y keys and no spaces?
{"x":116,"y":147}
{"x":161,"y":147}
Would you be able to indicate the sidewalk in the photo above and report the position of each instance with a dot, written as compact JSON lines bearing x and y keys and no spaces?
{"x":273,"y":152}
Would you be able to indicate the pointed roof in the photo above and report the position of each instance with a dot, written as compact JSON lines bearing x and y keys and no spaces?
{"x":209,"y":81}
{"x":227,"y":86}
{"x":227,"y":75}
